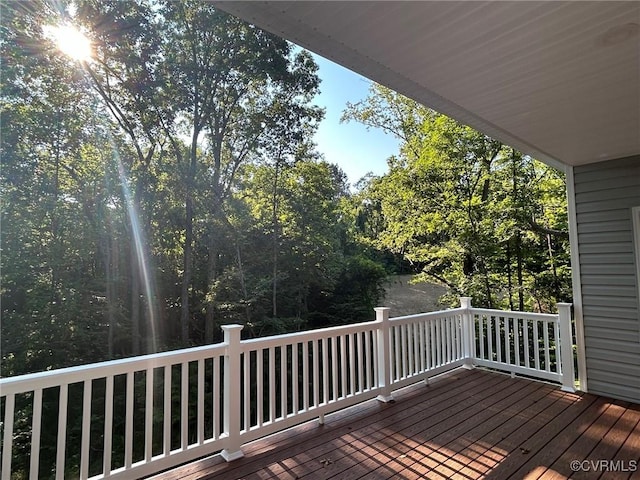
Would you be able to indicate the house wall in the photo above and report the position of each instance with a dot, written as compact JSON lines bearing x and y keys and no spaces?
{"x":605,"y":194}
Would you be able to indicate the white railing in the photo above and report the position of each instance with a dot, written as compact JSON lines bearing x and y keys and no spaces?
{"x":133,"y":417}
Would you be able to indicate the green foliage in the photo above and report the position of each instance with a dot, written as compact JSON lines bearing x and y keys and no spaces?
{"x":465,"y":210}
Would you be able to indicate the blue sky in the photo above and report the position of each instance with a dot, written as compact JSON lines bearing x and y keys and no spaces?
{"x":350,"y":145}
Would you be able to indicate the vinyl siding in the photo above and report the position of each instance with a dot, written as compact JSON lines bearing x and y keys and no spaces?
{"x":605,"y":195}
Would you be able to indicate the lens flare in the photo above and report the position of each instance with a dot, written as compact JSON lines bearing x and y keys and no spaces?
{"x":71,"y":41}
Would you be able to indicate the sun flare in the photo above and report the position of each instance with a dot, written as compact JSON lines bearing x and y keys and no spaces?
{"x":70,"y":41}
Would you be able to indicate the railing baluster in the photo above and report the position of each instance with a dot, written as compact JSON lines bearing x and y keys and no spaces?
{"x":305,"y":376}
{"x":397,"y":352}
{"x":433,"y":344}
{"x":108,"y":426}
{"x":62,"y":431}
{"x":316,"y":374}
{"x":352,"y":364}
{"x":283,"y":381}
{"x":422,"y":349}
{"x":507,"y":340}
{"x":343,"y":366}
{"x":402,"y":333}
{"x":525,"y":342}
{"x":409,"y":356}
{"x":128,"y":436}
{"x":451,"y":340}
{"x":334,"y":365}
{"x":217,"y":430}
{"x":556,"y":338}
{"x":375,"y":358}
{"x":200,"y":404}
{"x":272,"y":384}
{"x":86,"y":429}
{"x":516,"y":340}
{"x":359,"y":355}
{"x":166,"y":412}
{"x":246,"y":398}
{"x":148,"y":415}
{"x":294,"y":378}
{"x":480,"y":323}
{"x":439,"y":341}
{"x":7,"y":438}
{"x":184,"y":405}
{"x":36,"y":428}
{"x":498,"y":321}
{"x":325,"y":370}
{"x":367,"y":359}
{"x":536,"y":342}
{"x":259,"y":386}
{"x":547,"y":356}
{"x":490,"y":352}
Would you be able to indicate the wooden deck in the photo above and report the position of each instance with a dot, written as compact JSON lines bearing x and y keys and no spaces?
{"x":463,"y":425}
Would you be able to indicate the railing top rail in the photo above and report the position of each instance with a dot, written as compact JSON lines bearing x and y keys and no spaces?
{"x":427,"y":316}
{"x":307,"y":335}
{"x":515,"y":314}
{"x":69,"y":375}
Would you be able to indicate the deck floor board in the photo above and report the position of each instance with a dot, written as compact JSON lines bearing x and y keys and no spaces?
{"x":464,"y":425}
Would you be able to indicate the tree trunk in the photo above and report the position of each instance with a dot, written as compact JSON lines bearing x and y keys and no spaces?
{"x":187,"y":266}
{"x":135,"y":299}
{"x":509,"y":275}
{"x":209,"y":327}
{"x":519,"y":272}
{"x":274,"y":219}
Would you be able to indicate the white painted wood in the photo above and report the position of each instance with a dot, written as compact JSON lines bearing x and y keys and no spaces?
{"x":86,"y":429}
{"x":62,"y":431}
{"x":200,"y":408}
{"x":566,"y":347}
{"x":343,"y":366}
{"x":360,"y":357}
{"x":148,"y":411}
{"x":259,"y":386}
{"x":283,"y":381}
{"x":184,"y":405}
{"x":325,"y":371}
{"x":246,"y":397}
{"x":316,"y":373}
{"x":128,"y":436}
{"x":36,"y":428}
{"x":231,"y":390}
{"x":7,"y":438}
{"x":384,"y":357}
{"x":305,"y":376}
{"x":294,"y":379}
{"x":217,"y":427}
{"x":272,"y":384}
{"x":108,"y":427}
{"x":166,"y":413}
{"x":547,"y":354}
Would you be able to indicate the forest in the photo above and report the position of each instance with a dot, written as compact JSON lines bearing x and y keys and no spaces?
{"x":169,"y":184}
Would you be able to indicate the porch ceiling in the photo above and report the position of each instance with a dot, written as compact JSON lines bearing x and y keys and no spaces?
{"x":557,"y":80}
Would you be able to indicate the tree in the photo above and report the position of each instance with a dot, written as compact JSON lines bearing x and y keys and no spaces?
{"x":462,"y":208}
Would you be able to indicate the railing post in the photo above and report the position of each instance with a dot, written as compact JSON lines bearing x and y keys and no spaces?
{"x":468,"y":335}
{"x":231,"y":394}
{"x":384,"y":355}
{"x":566,"y":347}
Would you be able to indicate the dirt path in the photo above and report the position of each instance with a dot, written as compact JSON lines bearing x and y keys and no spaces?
{"x":405,"y":299}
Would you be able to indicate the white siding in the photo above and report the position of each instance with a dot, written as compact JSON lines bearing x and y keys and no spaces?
{"x":605,"y":195}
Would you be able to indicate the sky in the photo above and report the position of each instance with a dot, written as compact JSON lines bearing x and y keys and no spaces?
{"x":350,"y":145}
